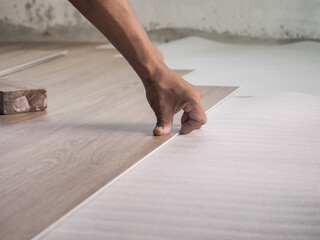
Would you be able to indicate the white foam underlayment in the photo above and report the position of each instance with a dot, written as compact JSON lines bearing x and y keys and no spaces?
{"x":252,"y":172}
{"x":258,"y":69}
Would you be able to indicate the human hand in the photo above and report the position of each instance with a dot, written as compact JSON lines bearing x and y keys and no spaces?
{"x":167,"y":94}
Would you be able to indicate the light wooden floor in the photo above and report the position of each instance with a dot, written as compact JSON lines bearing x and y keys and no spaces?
{"x":98,"y":124}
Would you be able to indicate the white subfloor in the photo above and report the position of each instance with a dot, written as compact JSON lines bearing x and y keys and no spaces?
{"x":257,"y":69}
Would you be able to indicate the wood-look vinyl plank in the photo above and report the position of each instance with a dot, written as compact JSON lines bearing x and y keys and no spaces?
{"x":18,"y":57}
{"x":12,"y":55}
{"x":98,"y":123}
{"x":33,"y":47}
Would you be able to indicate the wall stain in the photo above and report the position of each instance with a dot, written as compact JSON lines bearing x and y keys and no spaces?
{"x":78,"y":17}
{"x":28,"y":6}
{"x":29,"y":13}
{"x":292,"y":20}
{"x":49,"y":13}
{"x":39,"y":16}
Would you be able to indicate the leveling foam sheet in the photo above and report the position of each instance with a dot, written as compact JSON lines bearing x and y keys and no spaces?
{"x":252,"y":172}
{"x":258,"y":69}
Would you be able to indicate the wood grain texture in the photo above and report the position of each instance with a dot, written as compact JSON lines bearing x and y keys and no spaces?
{"x":97,"y":125}
{"x":32,"y":63}
{"x":12,"y":55}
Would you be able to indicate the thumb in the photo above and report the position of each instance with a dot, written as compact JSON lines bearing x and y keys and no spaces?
{"x":164,"y":124}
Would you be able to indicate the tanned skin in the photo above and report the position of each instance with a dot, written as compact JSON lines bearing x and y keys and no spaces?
{"x":166,"y":92}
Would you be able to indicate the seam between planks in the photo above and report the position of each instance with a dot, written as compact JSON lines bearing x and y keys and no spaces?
{"x":92,"y":196}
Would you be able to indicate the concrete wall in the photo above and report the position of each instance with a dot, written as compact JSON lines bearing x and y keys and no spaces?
{"x":57,"y":20}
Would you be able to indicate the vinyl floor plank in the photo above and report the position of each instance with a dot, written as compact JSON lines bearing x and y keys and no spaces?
{"x":97,"y":124}
{"x":12,"y":55}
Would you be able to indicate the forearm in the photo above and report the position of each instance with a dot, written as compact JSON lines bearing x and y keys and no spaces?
{"x":166,"y":92}
{"x":118,"y":22}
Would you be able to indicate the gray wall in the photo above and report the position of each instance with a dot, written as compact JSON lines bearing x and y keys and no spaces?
{"x":57,"y":20}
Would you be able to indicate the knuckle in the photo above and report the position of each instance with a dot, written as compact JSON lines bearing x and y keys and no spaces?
{"x":198,"y":93}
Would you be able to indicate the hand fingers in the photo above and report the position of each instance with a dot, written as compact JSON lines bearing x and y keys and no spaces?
{"x":193,"y":118}
{"x":184,"y":118}
{"x":164,"y":124}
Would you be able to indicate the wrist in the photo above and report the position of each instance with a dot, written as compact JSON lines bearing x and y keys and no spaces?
{"x":148,"y":66}
{"x":152,"y":74}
